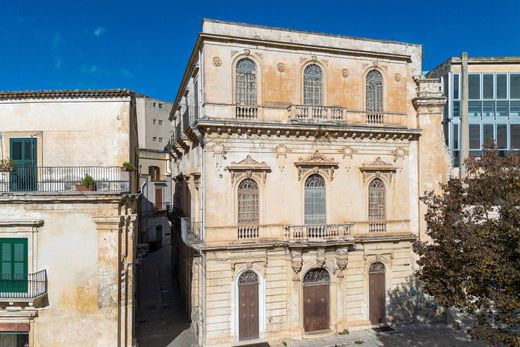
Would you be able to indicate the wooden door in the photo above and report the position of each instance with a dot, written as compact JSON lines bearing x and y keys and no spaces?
{"x":248,"y":306}
{"x":13,"y":264}
{"x":23,"y":154}
{"x":377,"y":299}
{"x":158,"y":198}
{"x":316,"y":302}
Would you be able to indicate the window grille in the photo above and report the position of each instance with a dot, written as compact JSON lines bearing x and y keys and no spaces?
{"x":376,"y":268}
{"x":374,"y":91}
{"x":313,"y":85}
{"x":315,"y":200}
{"x":319,"y":275}
{"x":248,"y":202}
{"x":376,"y":200}
{"x":245,"y":92}
{"x":248,"y":277}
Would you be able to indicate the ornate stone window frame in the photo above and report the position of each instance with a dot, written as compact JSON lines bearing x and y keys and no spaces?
{"x":248,"y":168}
{"x":316,"y":163}
{"x":378,"y":168}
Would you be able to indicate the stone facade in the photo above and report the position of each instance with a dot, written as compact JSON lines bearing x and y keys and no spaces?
{"x":283,"y":203}
{"x":78,"y":285}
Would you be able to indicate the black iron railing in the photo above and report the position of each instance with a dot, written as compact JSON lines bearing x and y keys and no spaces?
{"x":64,"y":178}
{"x":23,"y":286}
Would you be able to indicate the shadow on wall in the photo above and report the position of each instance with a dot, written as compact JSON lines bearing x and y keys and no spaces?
{"x":409,"y":304}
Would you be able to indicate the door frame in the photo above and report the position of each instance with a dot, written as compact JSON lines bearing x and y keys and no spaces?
{"x":34,"y":185}
{"x":331,"y":311}
{"x":388,"y":279}
{"x":235,"y":317}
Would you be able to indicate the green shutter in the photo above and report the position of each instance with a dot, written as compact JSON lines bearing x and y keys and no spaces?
{"x":13,"y":265}
{"x":23,"y":153}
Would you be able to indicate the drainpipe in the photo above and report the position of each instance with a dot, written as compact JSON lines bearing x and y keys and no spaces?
{"x":145,"y":227}
{"x":464,"y":121}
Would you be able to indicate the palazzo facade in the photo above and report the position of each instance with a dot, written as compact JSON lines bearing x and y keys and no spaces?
{"x":299,"y":160}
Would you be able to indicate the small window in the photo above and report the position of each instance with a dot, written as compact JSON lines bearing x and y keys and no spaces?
{"x":154,"y":104}
{"x":474,"y":86}
{"x":514,"y":85}
{"x":160,"y":105}
{"x":154,"y":139}
{"x":154,"y":121}
{"x":160,"y":139}
{"x":456,"y":86}
{"x":501,"y":86}
{"x":160,"y":121}
{"x":154,"y":172}
{"x":474,"y":136}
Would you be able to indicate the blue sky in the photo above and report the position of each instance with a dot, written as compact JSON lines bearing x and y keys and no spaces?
{"x":144,"y":45}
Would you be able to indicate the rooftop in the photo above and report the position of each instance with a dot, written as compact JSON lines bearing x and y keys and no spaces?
{"x":67,"y":94}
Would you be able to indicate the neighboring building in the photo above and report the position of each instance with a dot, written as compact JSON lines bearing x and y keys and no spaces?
{"x":299,"y":162}
{"x":493,"y":105}
{"x":154,"y":168}
{"x":67,"y":245}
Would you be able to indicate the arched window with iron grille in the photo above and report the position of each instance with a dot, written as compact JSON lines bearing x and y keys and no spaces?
{"x":376,"y":200}
{"x":315,"y":205}
{"x":245,"y":84}
{"x":313,"y":85}
{"x":374,"y":92}
{"x":248,"y":203}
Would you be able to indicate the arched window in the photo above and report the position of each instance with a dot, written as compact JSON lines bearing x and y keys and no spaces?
{"x":312,"y":85}
{"x":319,"y":275}
{"x":315,"y":200}
{"x":245,"y":86}
{"x":376,"y":200}
{"x":248,"y":202}
{"x":374,"y":91}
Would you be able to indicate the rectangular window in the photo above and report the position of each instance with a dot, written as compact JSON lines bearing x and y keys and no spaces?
{"x":456,"y":109}
{"x":501,"y":86}
{"x":487,"y":86}
{"x":514,"y":86}
{"x":154,"y":139}
{"x":515,"y":136}
{"x":160,"y":105}
{"x":475,"y":108}
{"x":502,"y":136}
{"x":154,"y":121}
{"x":488,"y":133}
{"x":455,"y":136}
{"x":474,"y":136}
{"x":488,"y":108}
{"x":160,"y":121}
{"x":456,"y":86}
{"x":160,"y":139}
{"x":13,"y":265}
{"x":514,"y":108}
{"x":154,"y":104}
{"x":503,"y":108}
{"x":474,"y":86}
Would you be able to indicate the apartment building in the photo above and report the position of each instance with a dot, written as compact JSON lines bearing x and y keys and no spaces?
{"x":299,"y":159}
{"x":68,"y":217}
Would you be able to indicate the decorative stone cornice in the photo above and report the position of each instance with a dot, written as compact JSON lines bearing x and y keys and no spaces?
{"x":248,"y":168}
{"x":377,"y":168}
{"x":33,"y":223}
{"x":317,"y":163}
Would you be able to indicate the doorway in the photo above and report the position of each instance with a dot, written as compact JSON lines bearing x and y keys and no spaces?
{"x":248,"y":306}
{"x":316,"y":300}
{"x":377,"y":296}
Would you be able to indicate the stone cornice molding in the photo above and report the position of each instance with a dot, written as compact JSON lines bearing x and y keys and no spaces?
{"x":65,"y":197}
{"x":248,"y":167}
{"x":33,"y":223}
{"x":377,"y":168}
{"x":316,"y":163}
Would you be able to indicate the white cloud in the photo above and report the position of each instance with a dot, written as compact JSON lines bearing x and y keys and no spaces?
{"x":99,"y":31}
{"x":126,"y":73}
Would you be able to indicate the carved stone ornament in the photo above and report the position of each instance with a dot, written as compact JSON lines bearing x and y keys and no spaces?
{"x":281,"y":154}
{"x":345,"y":73}
{"x":378,"y":168}
{"x":219,"y":153}
{"x":296,"y":264}
{"x":399,"y":152}
{"x":248,"y":168}
{"x":397,"y":77}
{"x":341,"y":260}
{"x":281,"y":67}
{"x":217,"y":61}
{"x":320,"y":256}
{"x":316,"y":163}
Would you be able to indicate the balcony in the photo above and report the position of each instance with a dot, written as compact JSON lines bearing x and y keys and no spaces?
{"x":23,"y":288}
{"x":310,"y":232}
{"x":382,"y":227}
{"x":246,"y":112}
{"x":64,"y":179}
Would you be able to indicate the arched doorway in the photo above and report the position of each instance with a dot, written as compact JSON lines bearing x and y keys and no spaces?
{"x":377,"y":299}
{"x":316,"y":290}
{"x":248,"y":306}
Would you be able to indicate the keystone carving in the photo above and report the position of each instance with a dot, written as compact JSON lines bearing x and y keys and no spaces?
{"x":296,"y":263}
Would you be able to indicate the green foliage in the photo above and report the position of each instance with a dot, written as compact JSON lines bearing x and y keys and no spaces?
{"x":473,"y":260}
{"x":128,"y":166}
{"x":87,"y":181}
{"x":284,"y":343}
{"x":6,"y":163}
{"x":359,"y":342}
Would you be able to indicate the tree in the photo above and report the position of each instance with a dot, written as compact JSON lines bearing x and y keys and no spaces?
{"x":472,"y":261}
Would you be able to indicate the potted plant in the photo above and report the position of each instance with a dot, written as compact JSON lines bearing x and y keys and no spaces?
{"x":87,"y":184}
{"x":7,"y":165}
{"x":127,"y":166}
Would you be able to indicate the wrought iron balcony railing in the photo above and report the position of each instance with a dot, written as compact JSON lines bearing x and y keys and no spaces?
{"x":17,"y":287}
{"x":64,"y":178}
{"x":317,"y":232}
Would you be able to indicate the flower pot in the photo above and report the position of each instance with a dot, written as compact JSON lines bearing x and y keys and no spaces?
{"x":82,"y":188}
{"x":127,"y":169}
{"x":7,"y":169}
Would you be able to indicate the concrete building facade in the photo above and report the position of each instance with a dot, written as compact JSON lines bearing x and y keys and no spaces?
{"x":68,"y":218}
{"x":154,"y":170}
{"x":299,"y":160}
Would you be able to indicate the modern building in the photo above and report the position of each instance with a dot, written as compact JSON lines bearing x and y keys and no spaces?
{"x":493,"y":104}
{"x":154,"y":170}
{"x":299,"y":159}
{"x":67,"y":217}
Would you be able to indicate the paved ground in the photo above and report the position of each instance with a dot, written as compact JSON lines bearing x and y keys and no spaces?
{"x":161,"y":320}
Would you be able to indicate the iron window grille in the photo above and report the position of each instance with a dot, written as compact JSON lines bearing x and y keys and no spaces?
{"x":245,"y":92}
{"x":374,"y":91}
{"x":312,"y":85}
{"x":315,"y":212}
{"x":376,"y":200}
{"x":248,"y":202}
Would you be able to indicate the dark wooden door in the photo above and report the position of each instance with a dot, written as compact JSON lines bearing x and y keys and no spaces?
{"x":23,"y":154}
{"x":377,"y":297}
{"x":248,"y":310}
{"x":158,"y":198}
{"x":316,"y":307}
